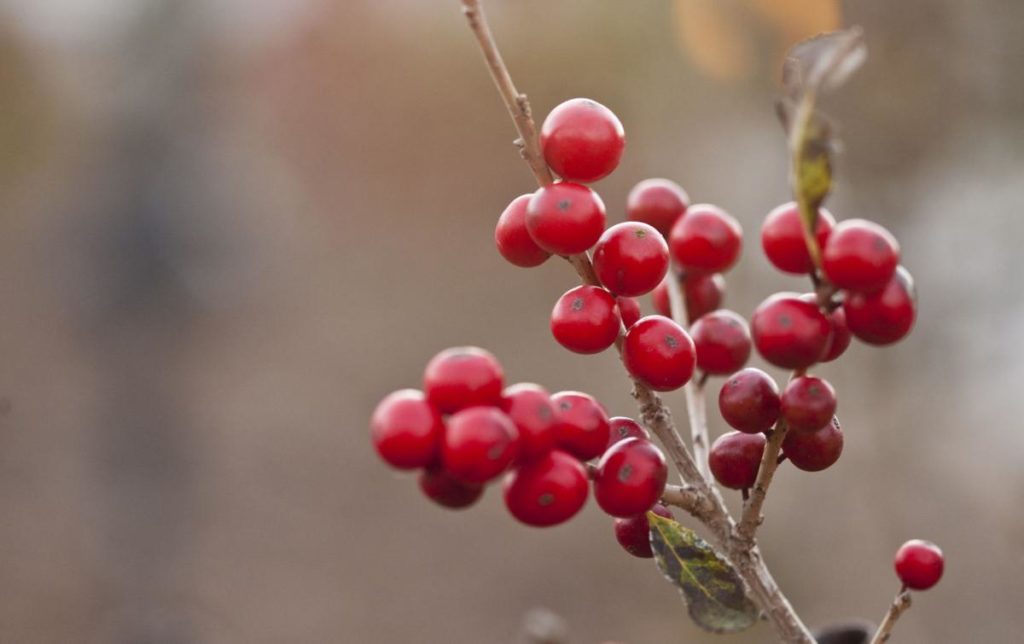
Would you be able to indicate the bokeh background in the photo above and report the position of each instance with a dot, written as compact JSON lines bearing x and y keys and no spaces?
{"x":229,"y":227}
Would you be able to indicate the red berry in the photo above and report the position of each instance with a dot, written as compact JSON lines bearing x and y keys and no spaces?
{"x":749,"y":401}
{"x":547,"y":490}
{"x":406,"y":430}
{"x":584,"y":320}
{"x":659,"y":353}
{"x":860,"y":256}
{"x":582,"y":424}
{"x":660,"y":300}
{"x":702,"y":294}
{"x":513,"y":240}
{"x":814,"y":451}
{"x":789,"y":332}
{"x":808,"y":403}
{"x":448,"y":491}
{"x":782,"y":238}
{"x":706,"y":240}
{"x":735,"y":458}
{"x":886,"y":316}
{"x":565,"y":218}
{"x":631,"y":258}
{"x":634,"y":533}
{"x":479,"y":444}
{"x":463,"y":377}
{"x":841,"y":335}
{"x":919,"y":564}
{"x":529,"y":408}
{"x":629,"y":310}
{"x":630,"y":477}
{"x":623,"y":428}
{"x":658,"y":202}
{"x":722,"y":339}
{"x":582,"y":140}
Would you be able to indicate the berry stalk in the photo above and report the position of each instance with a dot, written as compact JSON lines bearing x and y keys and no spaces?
{"x":900,"y":604}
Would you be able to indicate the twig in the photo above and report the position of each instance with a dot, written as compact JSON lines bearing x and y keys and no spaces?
{"x":752,"y":516}
{"x":687,"y":498}
{"x":900,"y":604}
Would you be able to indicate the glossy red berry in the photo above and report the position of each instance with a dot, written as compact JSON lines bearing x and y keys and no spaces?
{"x":629,"y":310}
{"x":919,"y":564}
{"x":463,"y":377}
{"x":479,"y":444}
{"x":582,"y":427}
{"x":749,"y":401}
{"x":808,"y":403}
{"x":630,"y":477}
{"x":529,"y":408}
{"x":735,"y":458}
{"x":860,"y":256}
{"x":841,"y":336}
{"x":565,"y":218}
{"x":406,"y":430}
{"x":631,"y":258}
{"x":634,"y":533}
{"x":582,"y":140}
{"x":782,"y":238}
{"x":547,"y":490}
{"x":448,"y":491}
{"x":659,"y":353}
{"x":722,"y":339}
{"x":706,"y":240}
{"x":622,"y":428}
{"x":585,"y":320}
{"x":814,"y":451}
{"x":658,"y":202}
{"x":513,"y":239}
{"x":886,"y":316}
{"x":702,"y":294}
{"x":789,"y":332}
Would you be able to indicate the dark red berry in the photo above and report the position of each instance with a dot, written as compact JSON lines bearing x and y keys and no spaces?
{"x":659,"y":353}
{"x":860,"y":256}
{"x":634,"y":533}
{"x":841,"y":335}
{"x":919,"y":564}
{"x":722,"y":339}
{"x":529,"y":408}
{"x":406,"y":430}
{"x":629,"y":310}
{"x":448,"y":491}
{"x":630,"y":477}
{"x":782,"y":238}
{"x":706,"y":240}
{"x":513,"y":239}
{"x":817,"y":450}
{"x":749,"y":401}
{"x":660,"y":299}
{"x":582,"y":140}
{"x":565,"y":218}
{"x":658,"y":202}
{"x":479,"y":444}
{"x":631,"y":258}
{"x":789,"y":332}
{"x":735,"y":458}
{"x":582,"y":427}
{"x":808,"y":403}
{"x":886,"y":316}
{"x":623,"y":428}
{"x":702,"y":294}
{"x":585,"y":320}
{"x":463,"y":377}
{"x":547,"y":490}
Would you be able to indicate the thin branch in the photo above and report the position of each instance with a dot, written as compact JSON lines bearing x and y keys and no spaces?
{"x":687,"y":498}
{"x":900,"y":604}
{"x":752,"y":517}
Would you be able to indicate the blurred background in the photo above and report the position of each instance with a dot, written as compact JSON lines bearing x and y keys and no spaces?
{"x":229,"y":227}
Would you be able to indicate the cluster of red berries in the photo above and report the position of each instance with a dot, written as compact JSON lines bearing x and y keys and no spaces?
{"x":864,"y":292}
{"x":466,"y":428}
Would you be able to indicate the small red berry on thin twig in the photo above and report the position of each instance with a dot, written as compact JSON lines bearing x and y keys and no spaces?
{"x":658,"y":202}
{"x":585,"y":319}
{"x":630,"y":477}
{"x":919,"y":564}
{"x":547,"y":490}
{"x":582,"y":140}
{"x":659,"y":353}
{"x":634,"y":533}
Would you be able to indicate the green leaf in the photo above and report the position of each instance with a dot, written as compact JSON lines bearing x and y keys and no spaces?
{"x":713,"y":591}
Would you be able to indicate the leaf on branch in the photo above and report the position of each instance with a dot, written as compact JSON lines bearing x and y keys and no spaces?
{"x":813,"y":67}
{"x":714,"y":593}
